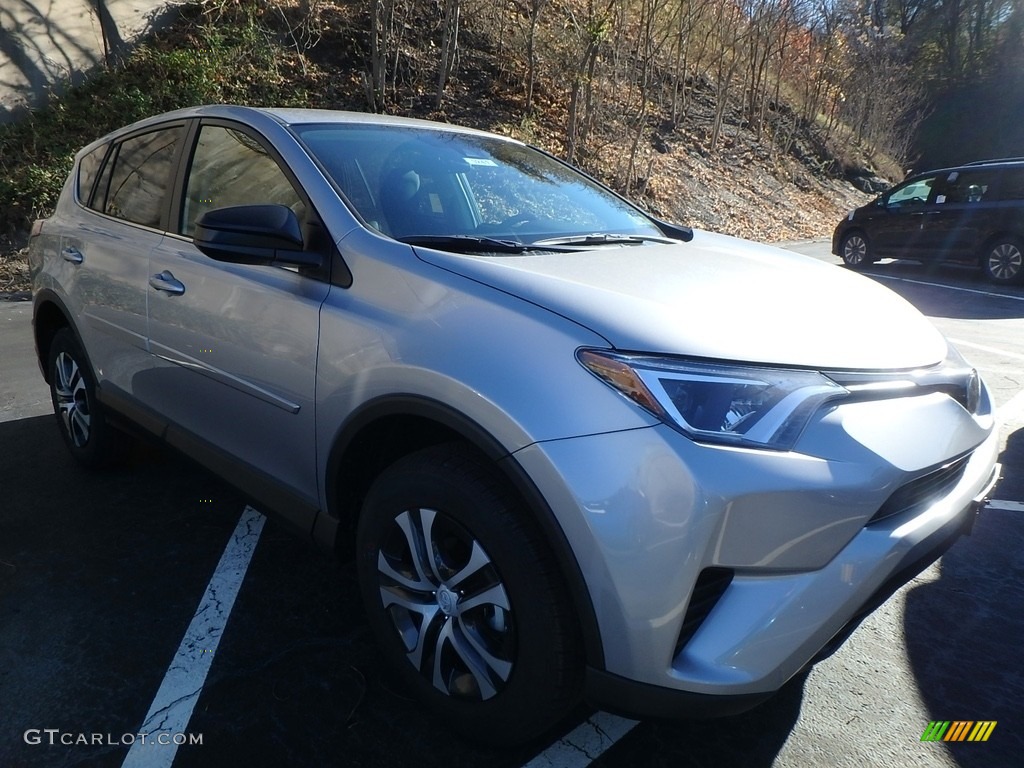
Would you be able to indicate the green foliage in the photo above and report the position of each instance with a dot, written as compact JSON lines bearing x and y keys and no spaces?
{"x":235,"y":62}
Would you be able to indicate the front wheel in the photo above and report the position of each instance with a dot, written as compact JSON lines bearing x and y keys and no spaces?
{"x":1003,"y":261}
{"x":464,"y":597}
{"x":854,"y":251}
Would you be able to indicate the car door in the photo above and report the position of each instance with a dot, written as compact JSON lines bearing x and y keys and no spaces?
{"x":898,"y":229}
{"x":236,"y":345}
{"x":107,"y":245}
{"x":964,"y":213}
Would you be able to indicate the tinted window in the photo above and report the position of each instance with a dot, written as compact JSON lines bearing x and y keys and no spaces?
{"x":88,"y":169}
{"x":1011,"y":185}
{"x":966,"y":187}
{"x":141,"y":176}
{"x":231,"y":168}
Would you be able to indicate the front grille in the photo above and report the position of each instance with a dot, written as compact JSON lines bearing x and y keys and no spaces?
{"x":922,"y":492}
{"x":711,"y":585}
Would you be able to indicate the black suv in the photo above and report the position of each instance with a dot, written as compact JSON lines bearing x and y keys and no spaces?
{"x":972,"y":214}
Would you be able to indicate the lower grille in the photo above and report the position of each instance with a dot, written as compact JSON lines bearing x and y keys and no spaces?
{"x":922,"y":491}
{"x":711,"y":585}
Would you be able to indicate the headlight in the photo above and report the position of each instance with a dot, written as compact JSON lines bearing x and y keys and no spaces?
{"x":723,"y":403}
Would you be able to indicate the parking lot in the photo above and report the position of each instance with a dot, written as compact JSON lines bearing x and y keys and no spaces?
{"x":118,"y":607}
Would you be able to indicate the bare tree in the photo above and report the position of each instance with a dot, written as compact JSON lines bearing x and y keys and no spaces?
{"x":449,"y":46}
{"x":592,"y":32}
{"x":731,"y":29}
{"x":385,"y":43}
{"x":883,"y":99}
{"x":688,"y":51}
{"x":532,"y":10}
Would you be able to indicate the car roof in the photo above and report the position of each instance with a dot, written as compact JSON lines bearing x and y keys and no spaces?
{"x":997,"y":161}
{"x":1008,"y":162}
{"x":287,"y":117}
{"x":296,"y":116}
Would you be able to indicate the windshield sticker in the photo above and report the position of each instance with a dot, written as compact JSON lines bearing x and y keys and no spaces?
{"x":480,"y":161}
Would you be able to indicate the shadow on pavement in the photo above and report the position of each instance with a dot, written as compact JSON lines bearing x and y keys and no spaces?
{"x":750,"y":740}
{"x":965,"y":631}
{"x":904,"y":277}
{"x":100,"y":572}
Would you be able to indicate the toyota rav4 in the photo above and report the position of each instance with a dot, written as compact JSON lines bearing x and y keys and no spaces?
{"x":577,"y":451}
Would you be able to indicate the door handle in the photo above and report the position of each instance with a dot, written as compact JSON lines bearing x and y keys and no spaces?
{"x":167,"y":283}
{"x":72,"y":254}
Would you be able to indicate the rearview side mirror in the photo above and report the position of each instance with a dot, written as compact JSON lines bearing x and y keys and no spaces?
{"x":260,"y":235}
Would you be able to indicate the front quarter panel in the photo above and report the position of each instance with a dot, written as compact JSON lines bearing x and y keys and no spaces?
{"x":407,"y":328}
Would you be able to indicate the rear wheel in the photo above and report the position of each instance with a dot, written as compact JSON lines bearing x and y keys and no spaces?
{"x":1003,"y":261}
{"x":83,"y":424}
{"x":465,"y":599}
{"x":854,"y":251}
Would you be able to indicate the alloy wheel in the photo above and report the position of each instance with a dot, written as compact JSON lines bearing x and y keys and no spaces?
{"x":1005,"y":262}
{"x":855,"y":251}
{"x":447,"y":602}
{"x":72,"y":399}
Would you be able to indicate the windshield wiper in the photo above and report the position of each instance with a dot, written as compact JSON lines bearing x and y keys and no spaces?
{"x":472,"y":243}
{"x":605,"y":238}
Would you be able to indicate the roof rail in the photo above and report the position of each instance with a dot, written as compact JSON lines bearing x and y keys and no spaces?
{"x":997,"y":160}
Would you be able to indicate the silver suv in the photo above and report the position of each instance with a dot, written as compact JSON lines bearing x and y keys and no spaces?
{"x":578,"y":451}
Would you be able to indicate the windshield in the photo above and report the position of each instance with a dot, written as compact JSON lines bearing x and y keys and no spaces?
{"x":413,"y":183}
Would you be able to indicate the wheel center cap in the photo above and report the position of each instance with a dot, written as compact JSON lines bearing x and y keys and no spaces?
{"x":447,"y":600}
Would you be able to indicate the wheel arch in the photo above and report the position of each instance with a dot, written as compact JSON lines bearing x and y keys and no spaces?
{"x":49,"y":315}
{"x":1002,"y":236}
{"x":387,"y":428}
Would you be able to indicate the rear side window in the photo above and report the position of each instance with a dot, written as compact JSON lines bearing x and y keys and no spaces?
{"x":140,"y":177}
{"x":88,"y":170}
{"x":967,"y":187}
{"x":1011,"y":186}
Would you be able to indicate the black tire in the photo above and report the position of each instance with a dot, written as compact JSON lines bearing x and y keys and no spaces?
{"x":1003,"y":261}
{"x":80,"y":417}
{"x":854,"y":250}
{"x":464,"y":597}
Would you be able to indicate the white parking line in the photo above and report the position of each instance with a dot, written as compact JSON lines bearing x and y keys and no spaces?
{"x":172,"y":707}
{"x":950,"y":287}
{"x":983,"y":348}
{"x":585,"y":743}
{"x":1005,"y":506}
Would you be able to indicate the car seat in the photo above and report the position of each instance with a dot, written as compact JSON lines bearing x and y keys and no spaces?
{"x":406,"y":204}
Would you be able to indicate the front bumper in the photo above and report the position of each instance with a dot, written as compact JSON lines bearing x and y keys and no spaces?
{"x":647,"y":511}
{"x":618,"y":694}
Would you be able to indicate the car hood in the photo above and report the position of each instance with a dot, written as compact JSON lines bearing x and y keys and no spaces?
{"x":717,"y":297}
